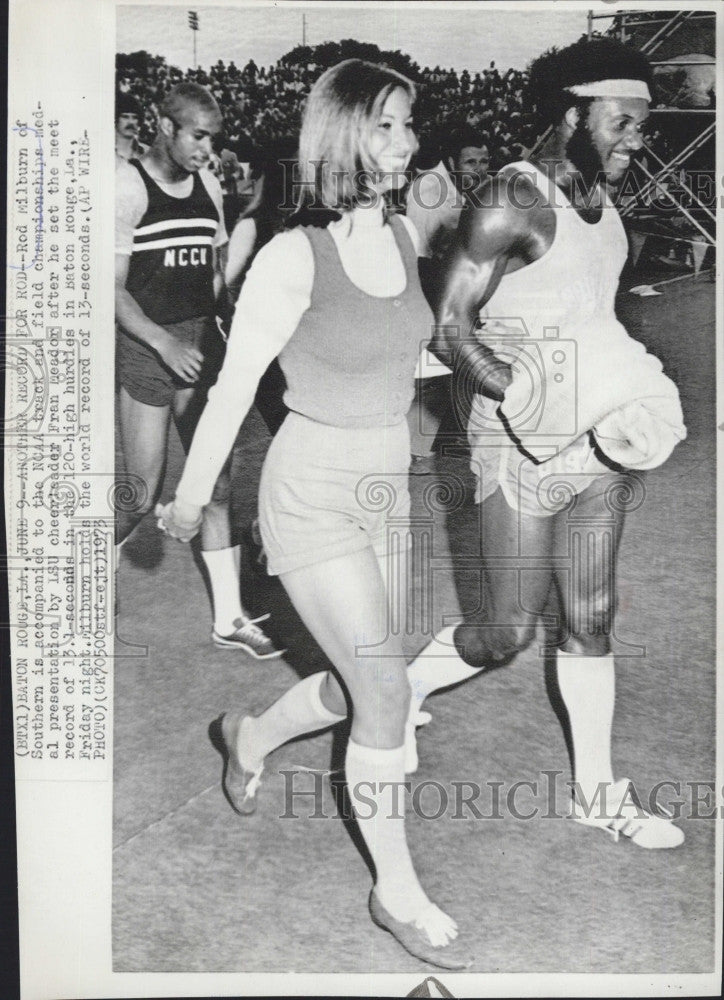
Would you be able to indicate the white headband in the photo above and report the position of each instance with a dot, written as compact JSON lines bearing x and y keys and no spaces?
{"x":612,"y":88}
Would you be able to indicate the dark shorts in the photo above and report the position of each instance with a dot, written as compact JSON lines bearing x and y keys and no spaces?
{"x":145,"y":377}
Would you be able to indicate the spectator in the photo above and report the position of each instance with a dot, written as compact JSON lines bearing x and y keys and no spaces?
{"x":128,"y":121}
{"x":437,"y":196}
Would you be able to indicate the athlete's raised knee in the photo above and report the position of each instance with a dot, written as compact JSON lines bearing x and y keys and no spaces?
{"x":490,"y":646}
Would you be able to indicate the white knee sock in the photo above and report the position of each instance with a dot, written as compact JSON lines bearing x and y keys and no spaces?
{"x":223,"y":569}
{"x":588,"y":686}
{"x":299,"y":710}
{"x":438,"y":665}
{"x":382,"y":824}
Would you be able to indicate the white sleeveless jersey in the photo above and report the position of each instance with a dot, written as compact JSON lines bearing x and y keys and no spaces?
{"x":566,"y":294}
{"x":576,"y":280}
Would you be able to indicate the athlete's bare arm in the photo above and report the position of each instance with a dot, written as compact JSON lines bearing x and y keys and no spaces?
{"x":503,"y":234}
{"x":219,"y":251}
{"x":223,"y":299}
{"x":181,"y":358}
{"x":219,"y":264}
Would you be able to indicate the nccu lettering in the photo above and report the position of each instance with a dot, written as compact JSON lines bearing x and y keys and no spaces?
{"x":174,"y":234}
{"x":186,"y":256}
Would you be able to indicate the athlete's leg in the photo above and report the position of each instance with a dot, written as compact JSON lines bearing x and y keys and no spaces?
{"x":589,"y":537}
{"x":232,"y":625}
{"x":517,"y":577}
{"x":586,"y":543}
{"x":144,"y":437}
{"x":188,"y":406}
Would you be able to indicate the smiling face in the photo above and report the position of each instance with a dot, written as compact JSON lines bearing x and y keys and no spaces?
{"x":189,"y":140}
{"x":391,"y":140}
{"x":608,"y":138}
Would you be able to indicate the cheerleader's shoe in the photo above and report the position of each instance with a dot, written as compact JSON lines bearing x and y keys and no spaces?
{"x":620,"y":814}
{"x":415,"y":939}
{"x":239,"y":784}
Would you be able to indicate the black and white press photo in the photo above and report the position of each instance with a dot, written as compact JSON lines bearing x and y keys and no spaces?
{"x":391,"y":650}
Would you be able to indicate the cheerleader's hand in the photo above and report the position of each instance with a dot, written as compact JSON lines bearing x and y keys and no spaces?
{"x":179,"y":520}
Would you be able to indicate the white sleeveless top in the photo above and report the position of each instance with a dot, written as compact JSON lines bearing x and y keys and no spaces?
{"x":566,"y":294}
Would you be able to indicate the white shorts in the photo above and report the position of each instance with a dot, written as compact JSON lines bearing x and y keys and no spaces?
{"x":328,"y":491}
{"x":539,"y":489}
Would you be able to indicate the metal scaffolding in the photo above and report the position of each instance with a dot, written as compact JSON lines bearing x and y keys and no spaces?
{"x":626,"y":21}
{"x":668,"y":183}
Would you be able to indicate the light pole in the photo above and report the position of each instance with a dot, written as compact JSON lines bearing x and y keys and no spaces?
{"x":194,"y":25}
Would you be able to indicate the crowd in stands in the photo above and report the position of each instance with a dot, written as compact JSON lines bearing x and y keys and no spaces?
{"x":262,"y":105}
{"x":262,"y":108}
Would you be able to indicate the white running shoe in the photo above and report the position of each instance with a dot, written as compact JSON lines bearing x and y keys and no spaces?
{"x":621,"y":814}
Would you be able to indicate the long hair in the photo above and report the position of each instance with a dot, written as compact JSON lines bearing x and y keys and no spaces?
{"x":343,"y":107}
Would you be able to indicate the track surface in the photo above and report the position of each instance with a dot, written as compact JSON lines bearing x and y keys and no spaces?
{"x":198,"y":889}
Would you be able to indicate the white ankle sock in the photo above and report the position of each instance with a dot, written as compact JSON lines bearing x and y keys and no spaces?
{"x":382,"y":825}
{"x":588,"y":688}
{"x":438,"y":665}
{"x":223,"y":569}
{"x":299,"y":710}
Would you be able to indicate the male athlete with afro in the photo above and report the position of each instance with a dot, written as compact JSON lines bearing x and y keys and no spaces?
{"x":545,"y":246}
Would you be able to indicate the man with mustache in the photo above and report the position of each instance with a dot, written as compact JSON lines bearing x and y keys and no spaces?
{"x":544,"y":250}
{"x":169,"y":231}
{"x":436,"y":197}
{"x":128,"y":122}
